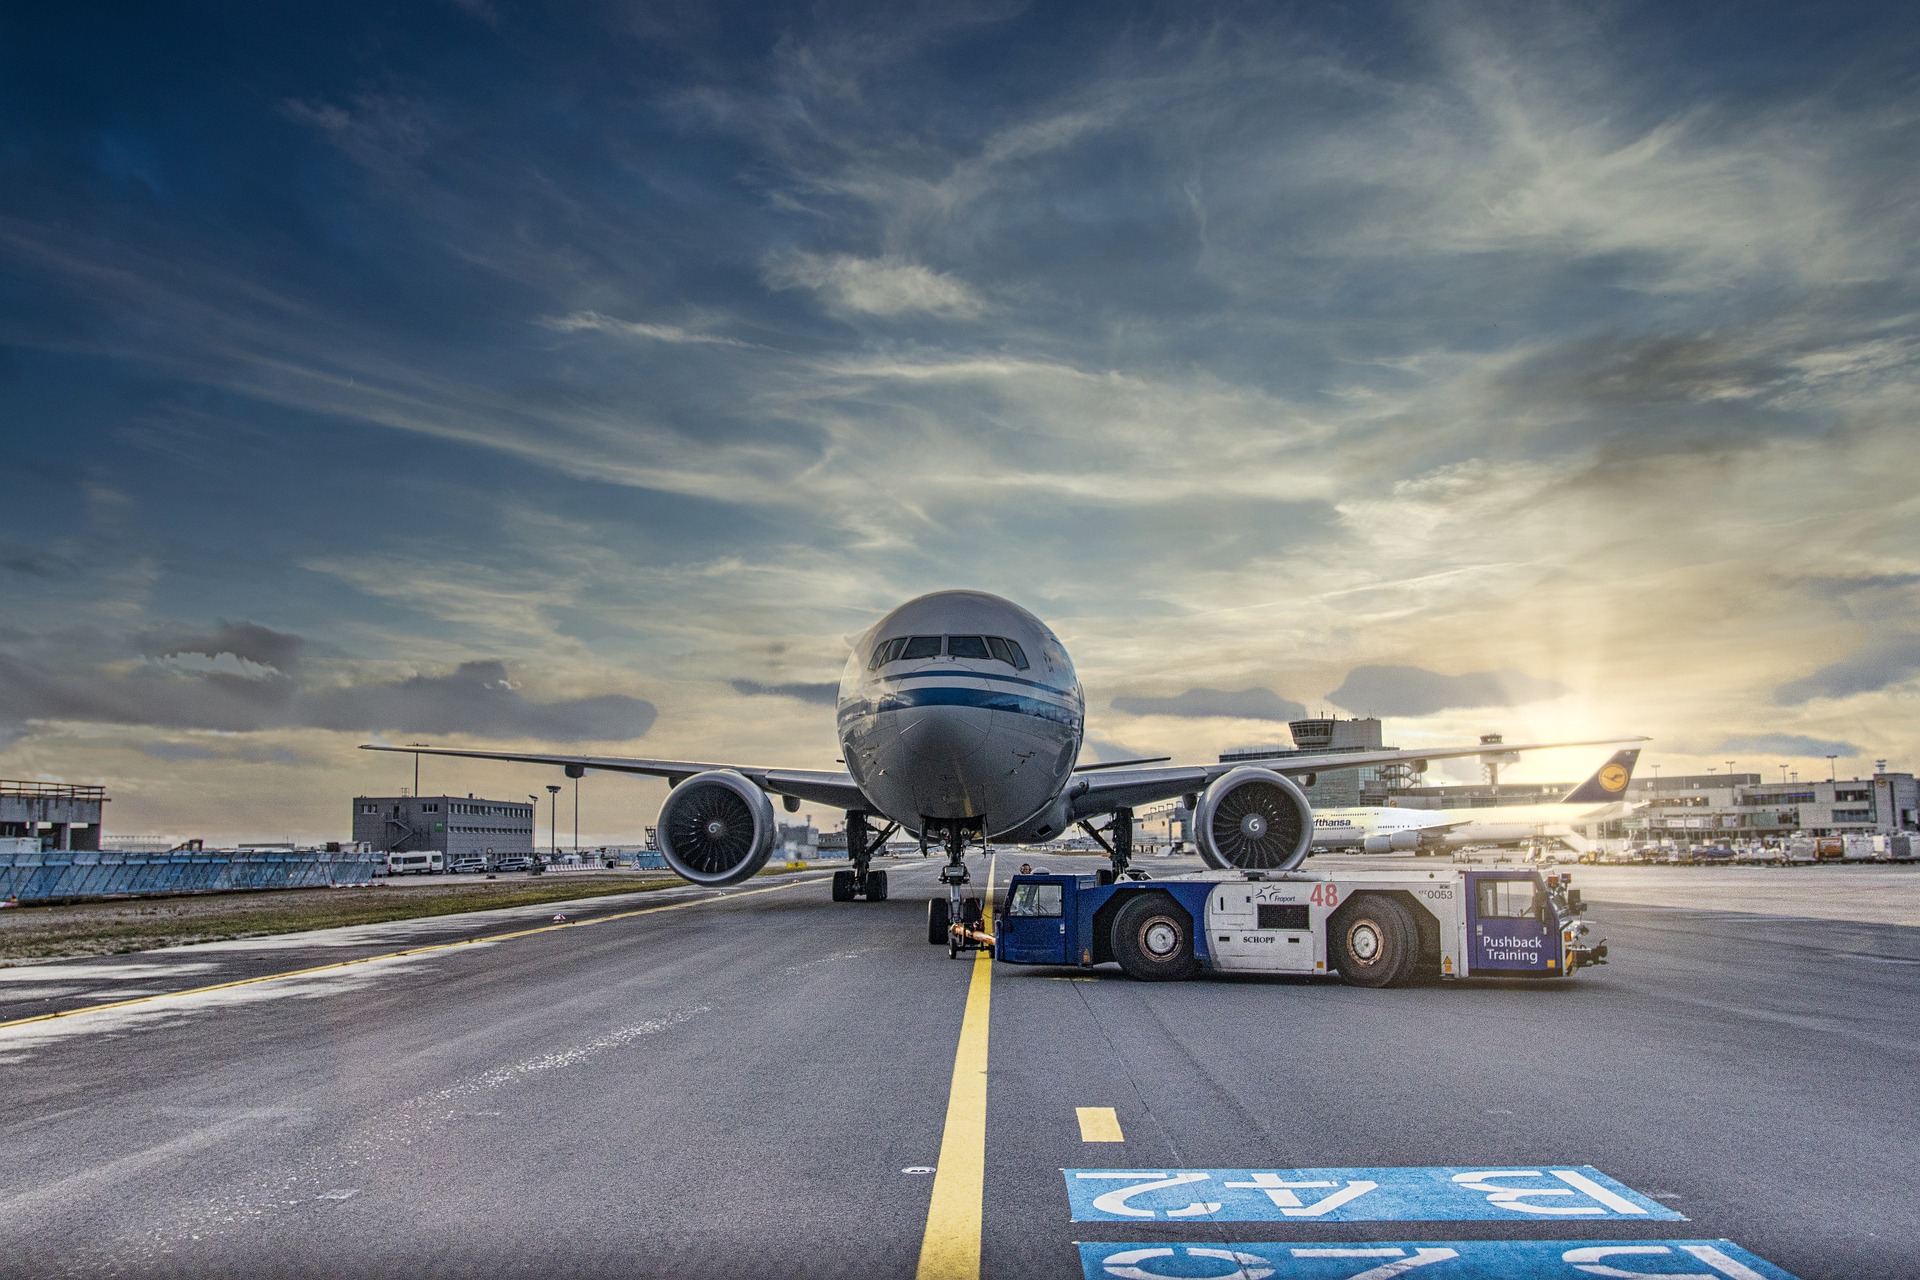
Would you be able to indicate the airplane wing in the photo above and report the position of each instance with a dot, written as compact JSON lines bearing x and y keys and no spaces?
{"x":1125,"y":788}
{"x":833,"y":787}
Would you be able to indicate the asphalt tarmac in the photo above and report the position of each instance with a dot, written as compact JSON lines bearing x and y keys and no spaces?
{"x":756,"y":1083}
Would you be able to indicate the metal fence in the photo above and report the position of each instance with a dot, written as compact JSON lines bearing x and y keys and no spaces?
{"x":57,"y":873}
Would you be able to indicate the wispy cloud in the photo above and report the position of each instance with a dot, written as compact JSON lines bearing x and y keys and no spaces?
{"x":593,"y":321}
{"x":878,"y":287}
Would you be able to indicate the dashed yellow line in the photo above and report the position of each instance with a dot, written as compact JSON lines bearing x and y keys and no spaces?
{"x":1099,"y":1124}
{"x":396,"y":955}
{"x":950,"y":1250}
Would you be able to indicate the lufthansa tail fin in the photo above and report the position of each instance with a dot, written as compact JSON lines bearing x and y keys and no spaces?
{"x":1609,"y":782}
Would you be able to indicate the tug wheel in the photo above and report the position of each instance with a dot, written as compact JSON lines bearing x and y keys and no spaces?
{"x":1375,"y":942}
{"x":1153,"y":939}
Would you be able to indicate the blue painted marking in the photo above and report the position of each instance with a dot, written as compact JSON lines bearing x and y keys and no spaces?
{"x":1513,"y":1193}
{"x":987,"y":699}
{"x":1439,"y":1260}
{"x":949,"y":673}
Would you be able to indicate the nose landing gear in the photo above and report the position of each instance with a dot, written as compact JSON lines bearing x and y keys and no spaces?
{"x":956,"y":919}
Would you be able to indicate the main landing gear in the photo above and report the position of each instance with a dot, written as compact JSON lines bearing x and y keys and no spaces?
{"x":956,"y":919}
{"x":859,"y":881}
{"x":1120,"y":849}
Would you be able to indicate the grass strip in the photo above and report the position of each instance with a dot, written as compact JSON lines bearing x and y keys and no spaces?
{"x":120,"y":927}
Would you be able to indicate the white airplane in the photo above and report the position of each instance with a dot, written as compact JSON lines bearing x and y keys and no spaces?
{"x":960,"y":719}
{"x":1393,"y":829}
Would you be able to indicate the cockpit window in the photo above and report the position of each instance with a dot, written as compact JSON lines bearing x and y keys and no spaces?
{"x":1007,"y":651}
{"x":887,"y":651}
{"x":974,"y":647}
{"x":920,"y":647}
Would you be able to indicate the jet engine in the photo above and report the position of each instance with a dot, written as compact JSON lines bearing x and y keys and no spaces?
{"x":716,"y":828}
{"x":1398,"y":842}
{"x":1254,"y":820}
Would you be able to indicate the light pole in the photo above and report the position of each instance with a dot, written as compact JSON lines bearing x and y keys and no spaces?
{"x":1830,"y":759}
{"x":553,"y":825}
{"x":1783,"y":774}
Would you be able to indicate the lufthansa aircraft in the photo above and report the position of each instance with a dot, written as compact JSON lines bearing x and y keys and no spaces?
{"x":960,"y":721}
{"x":1394,"y":829}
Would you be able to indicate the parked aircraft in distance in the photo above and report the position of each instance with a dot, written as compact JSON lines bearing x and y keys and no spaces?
{"x":960,"y":721}
{"x":1398,"y":829}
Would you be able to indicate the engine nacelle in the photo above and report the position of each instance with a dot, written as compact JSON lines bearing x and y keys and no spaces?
{"x":1397,"y":842}
{"x":716,"y":828}
{"x":1253,"y":820}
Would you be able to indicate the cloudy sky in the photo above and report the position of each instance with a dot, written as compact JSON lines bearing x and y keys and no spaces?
{"x":480,"y":374}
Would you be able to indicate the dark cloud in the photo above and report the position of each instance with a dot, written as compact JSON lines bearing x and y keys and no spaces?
{"x":1615,"y":371}
{"x":198,"y":751}
{"x":213,"y":700}
{"x":824,"y":693}
{"x":476,"y":698}
{"x":1239,"y":704}
{"x":1790,"y":744}
{"x":1841,"y":586}
{"x":247,"y":641}
{"x":1415,"y":691}
{"x":1885,"y":661}
{"x":180,"y":751}
{"x":33,"y":563}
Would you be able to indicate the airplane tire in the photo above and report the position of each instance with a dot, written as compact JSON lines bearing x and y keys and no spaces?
{"x":1153,"y":940}
{"x":876,"y":886}
{"x":936,"y":921}
{"x":1375,"y":942}
{"x":843,"y":886}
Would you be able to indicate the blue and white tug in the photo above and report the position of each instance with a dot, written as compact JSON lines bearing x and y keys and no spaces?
{"x":1372,"y":928}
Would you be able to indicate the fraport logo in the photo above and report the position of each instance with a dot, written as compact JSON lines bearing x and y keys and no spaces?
{"x":1614,"y":778}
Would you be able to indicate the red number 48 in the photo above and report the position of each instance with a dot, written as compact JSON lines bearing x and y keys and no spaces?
{"x":1326,"y":895}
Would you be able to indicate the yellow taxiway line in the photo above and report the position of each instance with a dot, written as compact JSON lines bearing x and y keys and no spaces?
{"x":950,"y":1250}
{"x":395,"y":955}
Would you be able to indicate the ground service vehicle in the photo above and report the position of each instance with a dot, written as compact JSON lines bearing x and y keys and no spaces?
{"x":1373,"y":928}
{"x":401,"y":864}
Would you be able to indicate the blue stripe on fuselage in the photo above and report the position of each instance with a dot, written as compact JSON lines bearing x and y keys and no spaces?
{"x":955,"y":696}
{"x":948,"y":673}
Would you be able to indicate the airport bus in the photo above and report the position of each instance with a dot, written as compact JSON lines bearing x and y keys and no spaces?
{"x":426,"y":864}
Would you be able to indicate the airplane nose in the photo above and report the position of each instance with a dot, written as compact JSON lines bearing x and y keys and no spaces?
{"x":946,"y":733}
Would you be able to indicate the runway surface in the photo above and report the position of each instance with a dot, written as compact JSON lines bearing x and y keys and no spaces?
{"x":758,"y":1084}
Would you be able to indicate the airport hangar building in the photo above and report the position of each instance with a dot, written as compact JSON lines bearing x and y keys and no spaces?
{"x":452,"y":825}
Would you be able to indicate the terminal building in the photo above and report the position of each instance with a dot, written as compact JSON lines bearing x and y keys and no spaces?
{"x":452,"y":825}
{"x":55,"y":814}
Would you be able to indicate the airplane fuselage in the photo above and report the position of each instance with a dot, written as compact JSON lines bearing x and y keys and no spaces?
{"x":962,"y":707}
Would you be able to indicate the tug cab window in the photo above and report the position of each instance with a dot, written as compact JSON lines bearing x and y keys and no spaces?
{"x":1007,"y":651}
{"x":1508,"y":900}
{"x":1030,"y":900}
{"x":971,"y":647}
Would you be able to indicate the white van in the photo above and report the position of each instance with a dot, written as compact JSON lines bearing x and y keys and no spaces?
{"x":426,"y":864}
